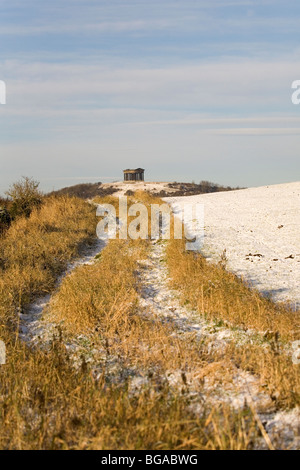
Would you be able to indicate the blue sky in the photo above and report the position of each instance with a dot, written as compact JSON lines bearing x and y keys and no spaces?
{"x":188,"y":90}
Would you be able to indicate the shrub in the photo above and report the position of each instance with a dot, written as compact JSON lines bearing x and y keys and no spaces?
{"x":5,"y":219}
{"x":129,"y":192}
{"x":25,"y":196}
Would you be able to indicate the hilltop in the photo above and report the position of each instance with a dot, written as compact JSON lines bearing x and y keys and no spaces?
{"x":258,"y":230}
{"x":159,"y":189}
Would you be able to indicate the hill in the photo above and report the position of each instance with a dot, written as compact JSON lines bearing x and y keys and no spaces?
{"x":259,"y":229}
{"x":159,"y":189}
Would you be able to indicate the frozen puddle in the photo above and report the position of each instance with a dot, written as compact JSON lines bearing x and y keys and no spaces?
{"x":260,"y":230}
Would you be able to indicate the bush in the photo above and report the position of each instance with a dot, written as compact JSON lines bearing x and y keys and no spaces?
{"x":85,"y":191}
{"x":129,"y":192}
{"x":25,"y":196}
{"x":5,"y":219}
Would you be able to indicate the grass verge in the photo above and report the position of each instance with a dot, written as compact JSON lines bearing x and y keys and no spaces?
{"x":46,"y":403}
{"x":222,"y":297}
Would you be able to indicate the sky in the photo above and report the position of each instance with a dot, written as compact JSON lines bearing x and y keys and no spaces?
{"x":189,"y":90}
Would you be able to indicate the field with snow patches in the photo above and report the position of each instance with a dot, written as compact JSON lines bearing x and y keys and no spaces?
{"x":142,"y":333}
{"x":260,"y":230}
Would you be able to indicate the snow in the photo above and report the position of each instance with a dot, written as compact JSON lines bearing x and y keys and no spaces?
{"x":287,"y":424}
{"x":260,"y":230}
{"x":122,"y":187}
{"x":31,"y":326}
{"x":162,"y":303}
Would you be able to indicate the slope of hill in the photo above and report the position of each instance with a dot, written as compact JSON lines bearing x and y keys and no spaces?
{"x":160,"y":189}
{"x":85,"y":190}
{"x":144,"y":333}
{"x":164,"y":189}
{"x":260,"y":230}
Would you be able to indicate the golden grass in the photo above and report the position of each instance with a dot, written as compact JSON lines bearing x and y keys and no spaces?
{"x":102,"y":301}
{"x":45,"y":403}
{"x":222,"y":297}
{"x":100,"y":294}
{"x":35,"y":250}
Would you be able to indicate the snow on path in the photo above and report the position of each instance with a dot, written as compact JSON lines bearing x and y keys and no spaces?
{"x":31,"y":326}
{"x":160,"y":302}
{"x":260,"y":230}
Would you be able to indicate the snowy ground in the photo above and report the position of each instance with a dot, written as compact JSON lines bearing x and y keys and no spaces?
{"x":160,"y":302}
{"x":260,"y":230}
{"x":122,"y":187}
{"x":31,"y":327}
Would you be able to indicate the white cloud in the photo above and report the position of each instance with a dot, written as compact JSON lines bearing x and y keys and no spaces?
{"x":99,"y":27}
{"x":193,"y":90}
{"x":239,"y":85}
{"x":254,"y":131}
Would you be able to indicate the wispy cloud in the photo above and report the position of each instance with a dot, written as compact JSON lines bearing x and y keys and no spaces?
{"x":198,"y":87}
{"x":254,"y":131}
{"x":217,"y":86}
{"x":99,"y":27}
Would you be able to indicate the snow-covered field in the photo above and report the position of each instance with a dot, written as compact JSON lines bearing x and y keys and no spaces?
{"x":122,"y":187}
{"x":260,"y":230}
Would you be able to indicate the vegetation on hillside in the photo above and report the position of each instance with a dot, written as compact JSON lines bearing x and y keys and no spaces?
{"x":222,"y":297}
{"x":24,"y":196}
{"x":49,"y":402}
{"x":84,"y":191}
{"x":92,"y":190}
{"x":191,"y":189}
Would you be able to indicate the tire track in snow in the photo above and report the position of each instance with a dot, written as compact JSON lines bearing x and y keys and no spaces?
{"x":163,"y":304}
{"x":31,"y":328}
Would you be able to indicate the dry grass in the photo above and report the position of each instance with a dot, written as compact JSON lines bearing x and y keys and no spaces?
{"x":102,"y":301}
{"x":222,"y":297}
{"x":34,"y":251}
{"x":104,"y":298}
{"x":100,"y":294}
{"x":46,"y":403}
